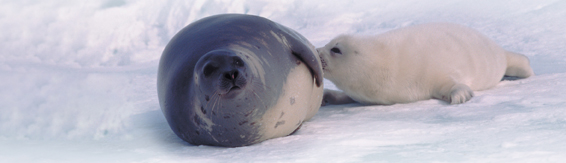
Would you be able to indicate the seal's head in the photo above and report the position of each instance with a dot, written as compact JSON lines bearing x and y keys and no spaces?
{"x":221,"y":73}
{"x":227,"y":98}
{"x":334,"y":54}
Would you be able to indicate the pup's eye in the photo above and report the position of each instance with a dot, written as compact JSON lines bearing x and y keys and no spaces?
{"x":336,"y":50}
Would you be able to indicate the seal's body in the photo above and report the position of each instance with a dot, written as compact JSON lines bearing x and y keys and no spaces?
{"x":236,"y":80}
{"x":442,"y":61}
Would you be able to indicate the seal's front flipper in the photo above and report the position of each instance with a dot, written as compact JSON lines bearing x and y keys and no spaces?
{"x":335,"y":98}
{"x":456,"y":93}
{"x":312,"y":63}
{"x":305,"y":51}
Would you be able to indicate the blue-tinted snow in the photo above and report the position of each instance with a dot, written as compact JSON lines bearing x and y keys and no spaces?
{"x":78,"y":84}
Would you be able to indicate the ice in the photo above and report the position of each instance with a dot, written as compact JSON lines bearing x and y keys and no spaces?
{"x":78,"y":84}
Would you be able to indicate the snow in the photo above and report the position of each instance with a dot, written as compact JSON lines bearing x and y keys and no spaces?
{"x":78,"y":84}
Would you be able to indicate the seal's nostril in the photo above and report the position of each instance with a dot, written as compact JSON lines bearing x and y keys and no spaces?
{"x":231,"y":75}
{"x":228,"y":76}
{"x":235,"y":75}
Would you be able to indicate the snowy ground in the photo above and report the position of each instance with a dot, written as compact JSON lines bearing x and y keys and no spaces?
{"x":78,"y":84}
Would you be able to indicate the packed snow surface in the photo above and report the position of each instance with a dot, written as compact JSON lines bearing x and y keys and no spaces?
{"x":78,"y":84}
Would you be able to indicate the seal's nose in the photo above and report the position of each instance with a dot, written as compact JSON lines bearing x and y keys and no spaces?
{"x":231,"y":75}
{"x":235,"y":65}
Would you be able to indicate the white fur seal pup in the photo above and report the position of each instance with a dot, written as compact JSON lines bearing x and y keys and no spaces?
{"x":440,"y":60}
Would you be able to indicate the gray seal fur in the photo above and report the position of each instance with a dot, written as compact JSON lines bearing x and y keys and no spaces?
{"x":235,"y":80}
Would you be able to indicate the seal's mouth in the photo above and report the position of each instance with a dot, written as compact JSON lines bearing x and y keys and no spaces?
{"x":233,"y":91}
{"x":323,"y":62}
{"x":234,"y":88}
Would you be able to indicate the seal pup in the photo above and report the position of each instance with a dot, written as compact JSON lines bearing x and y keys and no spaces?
{"x":236,"y":80}
{"x":439,"y":60}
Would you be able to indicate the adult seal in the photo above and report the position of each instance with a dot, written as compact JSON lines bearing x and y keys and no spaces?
{"x":235,"y":80}
{"x":439,"y":60}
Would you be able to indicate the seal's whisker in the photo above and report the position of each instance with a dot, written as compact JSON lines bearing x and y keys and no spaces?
{"x":259,"y":98}
{"x":216,"y":99}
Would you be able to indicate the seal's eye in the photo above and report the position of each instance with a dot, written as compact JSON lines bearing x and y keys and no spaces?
{"x":208,"y":70}
{"x":336,"y":50}
{"x":238,"y":62}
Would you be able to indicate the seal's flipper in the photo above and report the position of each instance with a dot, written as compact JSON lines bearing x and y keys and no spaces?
{"x":460,"y":93}
{"x":456,"y":93}
{"x":312,"y":63}
{"x":518,"y":65}
{"x":303,"y":50}
{"x":335,"y":98}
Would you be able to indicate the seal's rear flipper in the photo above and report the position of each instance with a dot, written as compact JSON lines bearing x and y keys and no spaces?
{"x":518,"y":65}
